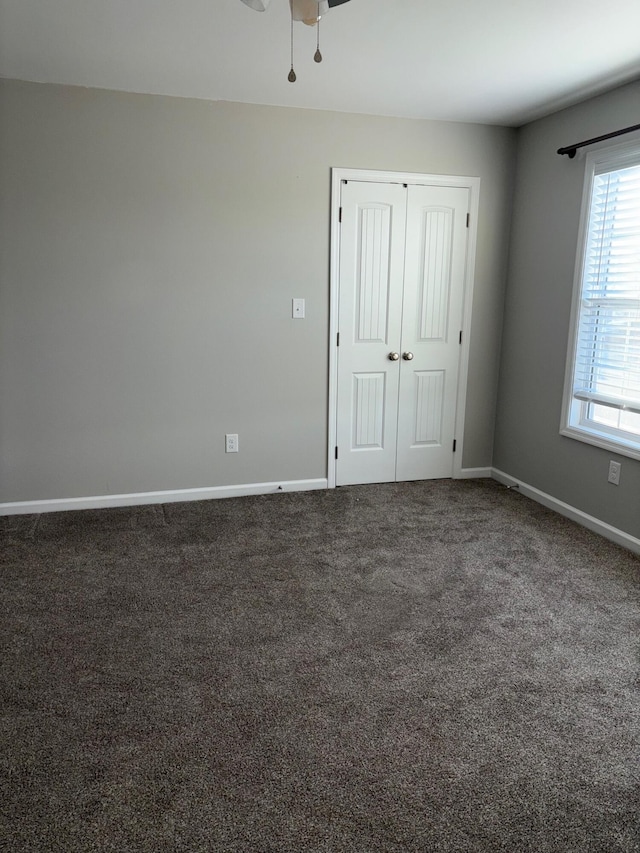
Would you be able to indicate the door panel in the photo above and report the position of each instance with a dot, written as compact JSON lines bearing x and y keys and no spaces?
{"x":436,"y":239}
{"x":373,"y":248}
{"x":369,"y":320}
{"x":367,"y":415}
{"x":434,"y":276}
{"x":428,"y":406}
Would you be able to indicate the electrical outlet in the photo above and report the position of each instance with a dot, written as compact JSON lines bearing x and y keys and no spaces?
{"x":231,"y":443}
{"x":614,"y":472}
{"x":297,"y":309}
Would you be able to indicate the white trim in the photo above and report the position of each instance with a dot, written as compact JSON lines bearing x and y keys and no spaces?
{"x":173,"y":496}
{"x":473,"y":185}
{"x":472,"y":473}
{"x":588,"y":521}
{"x":215,"y":492}
{"x":334,"y":278}
{"x":599,"y":439}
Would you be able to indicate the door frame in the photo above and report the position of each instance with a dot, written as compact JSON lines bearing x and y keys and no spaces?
{"x":383,"y":177}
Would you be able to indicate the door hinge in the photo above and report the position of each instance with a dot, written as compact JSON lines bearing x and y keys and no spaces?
{"x":340,"y":215}
{"x":338,"y":339}
{"x":460,"y":338}
{"x":336,"y":452}
{"x":468,"y":219}
{"x":454,"y":445}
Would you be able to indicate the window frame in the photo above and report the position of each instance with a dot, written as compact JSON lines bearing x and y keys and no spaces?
{"x":573,"y":423}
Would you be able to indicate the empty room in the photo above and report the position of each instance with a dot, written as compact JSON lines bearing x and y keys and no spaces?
{"x":319,"y":426}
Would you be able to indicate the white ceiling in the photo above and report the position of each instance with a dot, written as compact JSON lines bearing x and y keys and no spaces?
{"x":490,"y":61}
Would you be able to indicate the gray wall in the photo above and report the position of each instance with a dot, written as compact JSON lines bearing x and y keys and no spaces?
{"x":546,"y":215}
{"x":150,"y":250}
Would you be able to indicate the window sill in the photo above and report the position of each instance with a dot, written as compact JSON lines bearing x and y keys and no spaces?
{"x":623,"y":448}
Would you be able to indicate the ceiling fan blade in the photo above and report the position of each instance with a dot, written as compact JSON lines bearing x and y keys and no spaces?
{"x":258,"y":5}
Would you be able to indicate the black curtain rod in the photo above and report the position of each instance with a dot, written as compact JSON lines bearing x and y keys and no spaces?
{"x":571,"y":149}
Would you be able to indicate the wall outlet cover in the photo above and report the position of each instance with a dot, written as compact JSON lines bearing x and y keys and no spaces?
{"x":231,"y":443}
{"x":614,"y":472}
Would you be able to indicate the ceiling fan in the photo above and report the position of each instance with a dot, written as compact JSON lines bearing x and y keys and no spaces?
{"x":309,"y":12}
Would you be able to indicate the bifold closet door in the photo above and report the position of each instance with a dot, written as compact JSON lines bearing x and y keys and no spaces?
{"x":402,"y":260}
{"x":435,"y":257}
{"x":369,"y":320}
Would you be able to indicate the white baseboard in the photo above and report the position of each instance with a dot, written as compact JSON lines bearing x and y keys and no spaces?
{"x":588,"y":521}
{"x":214,"y":492}
{"x":174,"y":496}
{"x":473,"y":473}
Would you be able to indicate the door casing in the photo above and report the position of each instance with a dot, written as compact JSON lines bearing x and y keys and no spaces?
{"x":473,"y":185}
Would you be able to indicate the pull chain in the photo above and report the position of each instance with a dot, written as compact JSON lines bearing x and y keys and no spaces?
{"x":317,"y":55}
{"x":292,"y":74}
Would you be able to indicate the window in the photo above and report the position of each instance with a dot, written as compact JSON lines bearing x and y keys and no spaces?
{"x":602,"y":388}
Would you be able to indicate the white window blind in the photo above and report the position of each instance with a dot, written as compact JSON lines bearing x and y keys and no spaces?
{"x":607,"y":358}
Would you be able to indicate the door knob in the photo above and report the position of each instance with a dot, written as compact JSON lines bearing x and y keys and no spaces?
{"x":394,"y":356}
{"x":407,"y":356}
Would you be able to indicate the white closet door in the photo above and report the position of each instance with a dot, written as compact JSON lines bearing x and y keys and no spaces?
{"x":435,"y":257}
{"x":372,"y":240}
{"x":402,"y":271}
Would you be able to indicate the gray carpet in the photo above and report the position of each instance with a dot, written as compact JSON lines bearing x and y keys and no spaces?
{"x":441,"y":666}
